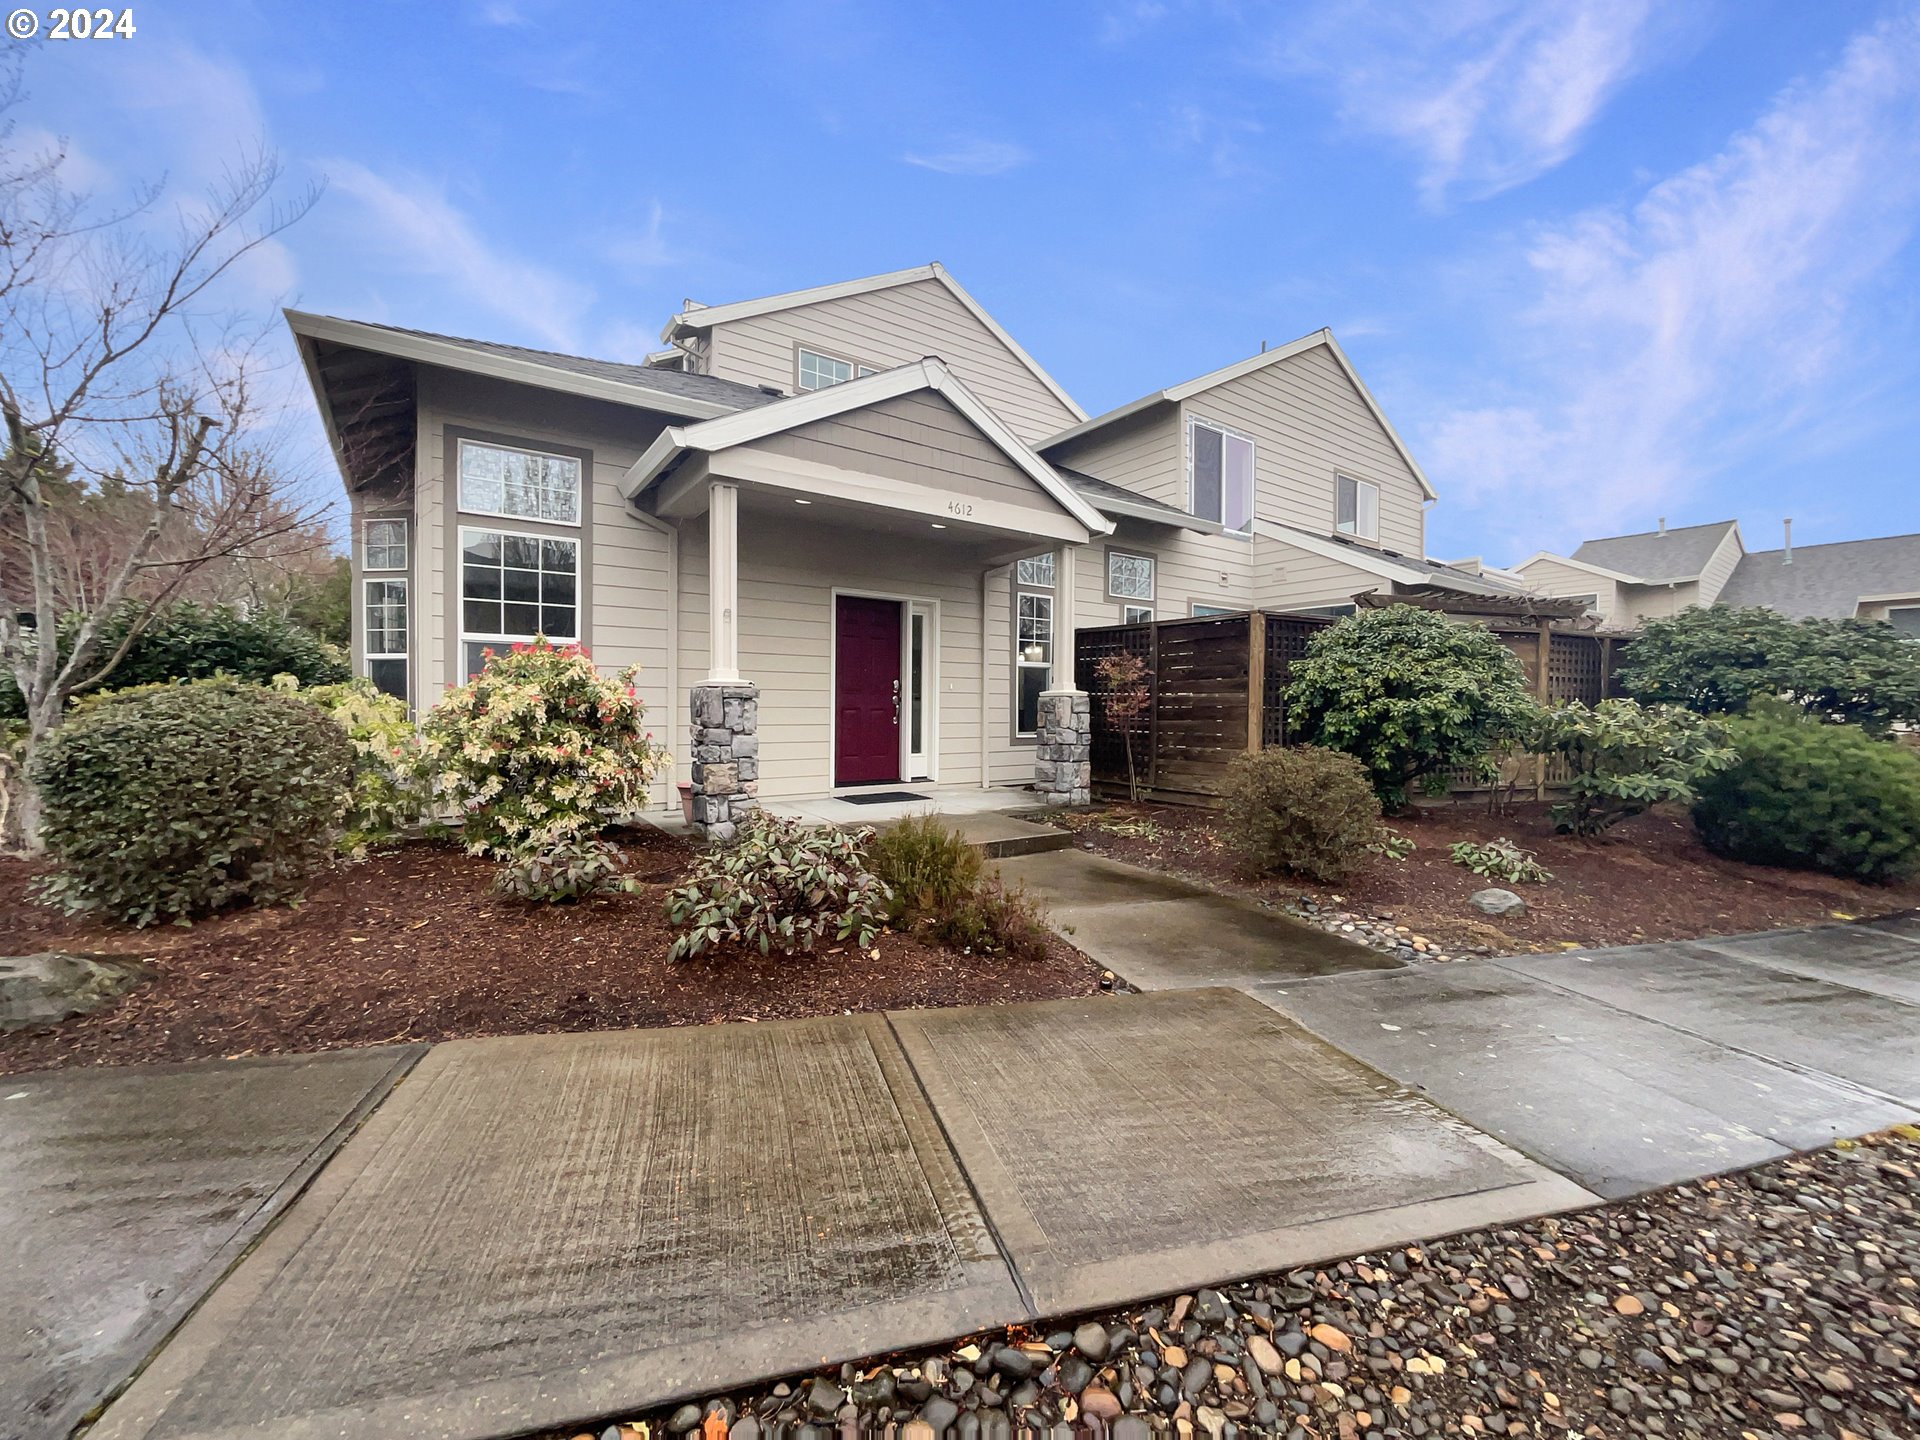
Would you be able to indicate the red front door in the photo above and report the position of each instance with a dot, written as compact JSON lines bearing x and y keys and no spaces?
{"x":866,"y":691}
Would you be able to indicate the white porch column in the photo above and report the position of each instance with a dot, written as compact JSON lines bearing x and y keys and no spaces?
{"x":1063,"y":618}
{"x":723,"y":582}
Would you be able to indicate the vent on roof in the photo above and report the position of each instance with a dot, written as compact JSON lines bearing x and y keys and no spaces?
{"x":773,"y":390}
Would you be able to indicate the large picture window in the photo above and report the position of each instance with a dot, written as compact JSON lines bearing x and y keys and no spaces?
{"x":386,"y":636}
{"x":1359,"y":508}
{"x":1220,"y":475}
{"x":514,"y":587}
{"x":520,"y":484}
{"x":1032,"y":658}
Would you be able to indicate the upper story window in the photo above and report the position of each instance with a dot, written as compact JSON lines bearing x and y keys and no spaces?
{"x":817,"y":371}
{"x":1905,"y":619}
{"x":1219,"y":475}
{"x":384,"y":546}
{"x":523,"y":484}
{"x":1129,"y":576}
{"x":1036,"y":570}
{"x":1359,"y":512}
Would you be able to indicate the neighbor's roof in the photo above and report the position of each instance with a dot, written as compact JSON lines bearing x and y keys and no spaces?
{"x":1387,"y":564}
{"x":1827,"y":580}
{"x":702,"y":317}
{"x":1655,"y":557}
{"x":693,"y":397}
{"x":1174,"y":394}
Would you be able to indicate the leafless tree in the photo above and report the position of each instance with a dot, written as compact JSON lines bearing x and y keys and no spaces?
{"x":119,"y":376}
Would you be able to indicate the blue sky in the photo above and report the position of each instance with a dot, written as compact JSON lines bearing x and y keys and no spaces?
{"x":1601,"y":261}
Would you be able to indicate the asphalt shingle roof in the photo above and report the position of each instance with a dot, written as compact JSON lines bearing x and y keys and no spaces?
{"x":670,"y":383}
{"x":1678,"y":554}
{"x":1093,"y":490}
{"x":1826,"y":580}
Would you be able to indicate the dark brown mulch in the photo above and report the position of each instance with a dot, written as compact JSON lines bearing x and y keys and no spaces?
{"x":1648,"y":879}
{"x":414,"y":945}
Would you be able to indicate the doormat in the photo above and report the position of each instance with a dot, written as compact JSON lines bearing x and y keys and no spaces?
{"x":880,"y":797}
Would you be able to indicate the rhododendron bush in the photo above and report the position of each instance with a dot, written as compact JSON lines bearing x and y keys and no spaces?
{"x":540,"y":751}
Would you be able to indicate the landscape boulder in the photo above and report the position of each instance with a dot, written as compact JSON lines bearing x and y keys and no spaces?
{"x":50,"y":986}
{"x":1495,"y":901}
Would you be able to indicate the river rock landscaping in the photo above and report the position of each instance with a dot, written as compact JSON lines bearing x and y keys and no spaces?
{"x":1779,"y":1303}
{"x":1648,"y":879}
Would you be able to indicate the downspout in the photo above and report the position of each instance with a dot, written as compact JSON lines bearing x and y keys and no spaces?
{"x":986,"y":767}
{"x":672,"y":533}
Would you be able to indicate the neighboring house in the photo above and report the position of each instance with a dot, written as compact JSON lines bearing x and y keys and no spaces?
{"x":1630,"y":578}
{"x":836,"y":522}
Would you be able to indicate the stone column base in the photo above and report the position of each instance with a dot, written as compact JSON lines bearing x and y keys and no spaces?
{"x":726,"y":756}
{"x":1063,"y":760}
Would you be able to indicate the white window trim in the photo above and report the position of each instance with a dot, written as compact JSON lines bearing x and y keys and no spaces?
{"x":366,"y":543}
{"x":1048,"y":585}
{"x":1144,"y":617}
{"x":1253,"y":474}
{"x":580,"y":487}
{"x":1021,"y":663}
{"x":1358,"y":509}
{"x":1153,"y":574}
{"x":467,"y":636}
{"x":367,"y":654}
{"x":859,"y":368}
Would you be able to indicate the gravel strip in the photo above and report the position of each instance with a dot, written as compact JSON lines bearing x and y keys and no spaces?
{"x":1783,"y":1302}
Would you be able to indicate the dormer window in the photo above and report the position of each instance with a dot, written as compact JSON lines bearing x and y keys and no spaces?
{"x":1359,"y":512}
{"x":816,"y":371}
{"x":1219,"y":475}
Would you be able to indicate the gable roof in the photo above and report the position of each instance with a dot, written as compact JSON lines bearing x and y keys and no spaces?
{"x":930,"y":373}
{"x":1656,"y":557}
{"x":1387,"y":564}
{"x":1111,"y":499}
{"x":703,"y":317}
{"x":1174,"y":394}
{"x":666,"y":391}
{"x":1826,"y":580}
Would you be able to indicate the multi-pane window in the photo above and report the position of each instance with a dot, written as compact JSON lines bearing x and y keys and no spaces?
{"x":524,"y":484}
{"x":514,"y":587}
{"x":817,"y":371}
{"x":1129,"y":577}
{"x":1220,"y":475}
{"x":1032,"y":658}
{"x":1905,"y":619}
{"x":386,"y":635}
{"x":385,"y":545}
{"x":1036,"y":570}
{"x":1359,"y":508}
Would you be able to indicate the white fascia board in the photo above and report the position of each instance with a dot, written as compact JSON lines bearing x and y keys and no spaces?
{"x":708,"y":316}
{"x":1895,"y":597}
{"x":1100,"y":422}
{"x":1157,"y":515}
{"x":1366,"y":563}
{"x":1618,"y":576}
{"x":745,"y":426}
{"x":451,"y":356}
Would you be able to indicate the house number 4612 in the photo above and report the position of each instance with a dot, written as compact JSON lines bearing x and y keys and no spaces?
{"x":961,"y":508}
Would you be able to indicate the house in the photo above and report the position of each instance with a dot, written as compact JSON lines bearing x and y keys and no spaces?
{"x":849,"y":531}
{"x":1626,"y":579}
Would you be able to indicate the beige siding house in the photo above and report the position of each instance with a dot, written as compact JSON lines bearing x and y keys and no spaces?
{"x":847,"y":533}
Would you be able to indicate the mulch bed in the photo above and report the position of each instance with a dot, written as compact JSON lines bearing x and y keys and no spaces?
{"x":1778,"y":1303}
{"x":414,"y":945}
{"x":1650,"y":878}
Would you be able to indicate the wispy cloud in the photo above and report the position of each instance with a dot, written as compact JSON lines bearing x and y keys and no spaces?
{"x":973,"y":157}
{"x":1487,"y":95}
{"x":1722,"y":314}
{"x":1122,"y":22}
{"x":642,"y":247}
{"x":428,"y":235}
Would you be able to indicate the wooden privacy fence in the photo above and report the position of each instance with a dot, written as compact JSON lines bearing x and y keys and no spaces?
{"x":1218,"y":688}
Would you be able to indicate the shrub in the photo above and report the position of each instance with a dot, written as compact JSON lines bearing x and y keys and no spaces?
{"x":566,"y":872}
{"x":1410,"y":694}
{"x":1305,"y":810}
{"x":198,"y":642}
{"x":173,"y":802}
{"x":539,"y":751}
{"x":389,"y":784}
{"x":1627,"y":757}
{"x":781,"y":885}
{"x":941,"y":884}
{"x":1500,"y":859}
{"x":1720,"y":660}
{"x":1814,"y":797}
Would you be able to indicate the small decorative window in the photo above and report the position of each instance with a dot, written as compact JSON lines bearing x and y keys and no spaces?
{"x":386,"y":636}
{"x":384,"y":546}
{"x":514,"y":587}
{"x":1129,"y":577}
{"x":524,"y":484}
{"x":1136,"y":614}
{"x":1036,"y":570}
{"x":1200,"y":610}
{"x":1219,"y":475}
{"x":1359,"y":509}
{"x":817,"y":371}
